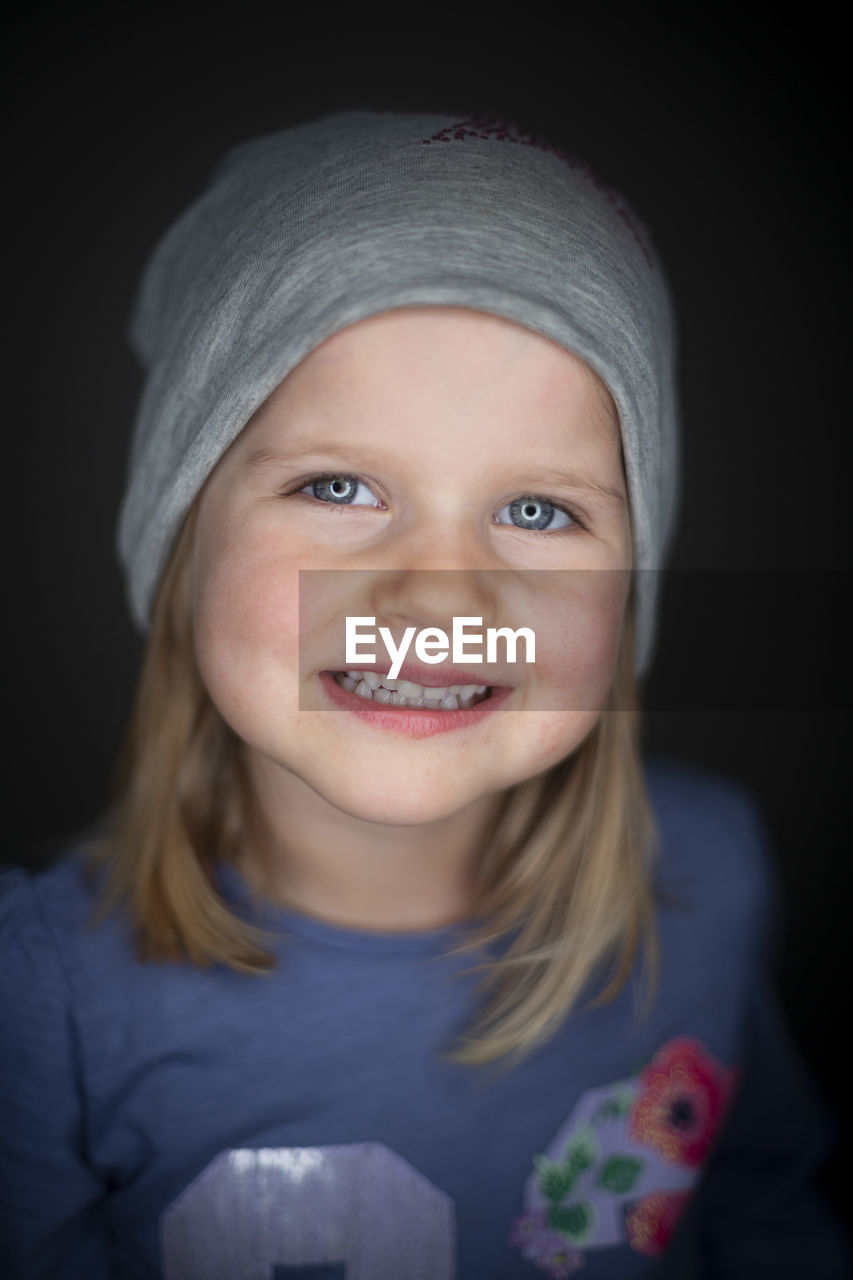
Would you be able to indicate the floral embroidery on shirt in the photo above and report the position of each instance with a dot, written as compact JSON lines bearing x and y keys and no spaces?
{"x":621,"y":1167}
{"x":685,"y":1093}
{"x":544,"y":1246}
{"x":650,"y":1222}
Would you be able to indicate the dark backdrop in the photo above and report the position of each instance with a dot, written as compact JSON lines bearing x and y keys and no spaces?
{"x":727,"y":140}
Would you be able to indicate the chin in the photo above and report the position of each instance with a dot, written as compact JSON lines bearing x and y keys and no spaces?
{"x":402,"y":812}
{"x":395,"y":805}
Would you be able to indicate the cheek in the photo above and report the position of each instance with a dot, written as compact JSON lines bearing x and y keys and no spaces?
{"x":581,"y":628}
{"x":551,"y":738}
{"x":246,"y":618}
{"x":576,"y":662}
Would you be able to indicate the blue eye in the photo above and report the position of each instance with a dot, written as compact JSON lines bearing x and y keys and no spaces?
{"x":341,"y":490}
{"x":535,"y":514}
{"x":531,"y":513}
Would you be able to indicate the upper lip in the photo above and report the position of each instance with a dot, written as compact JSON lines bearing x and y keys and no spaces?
{"x":438,"y":677}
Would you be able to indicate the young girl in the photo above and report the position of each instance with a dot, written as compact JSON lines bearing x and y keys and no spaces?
{"x":421,"y":978}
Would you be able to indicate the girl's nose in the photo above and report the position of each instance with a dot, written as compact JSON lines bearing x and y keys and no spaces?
{"x":441,"y":543}
{"x":433,"y":597}
{"x":435,"y":570}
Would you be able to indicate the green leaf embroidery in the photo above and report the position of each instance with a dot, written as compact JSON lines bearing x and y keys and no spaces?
{"x":620,"y":1173}
{"x":624,"y":1097}
{"x":554,"y":1179}
{"x":580,"y":1152}
{"x":616,"y":1105}
{"x":574,"y":1220}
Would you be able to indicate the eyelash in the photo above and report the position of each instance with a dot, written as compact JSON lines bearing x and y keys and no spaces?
{"x":300,"y":485}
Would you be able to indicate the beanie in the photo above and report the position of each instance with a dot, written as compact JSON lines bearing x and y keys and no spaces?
{"x":305,"y":231}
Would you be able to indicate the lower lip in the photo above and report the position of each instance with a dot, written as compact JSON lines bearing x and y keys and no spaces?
{"x":418,"y":722}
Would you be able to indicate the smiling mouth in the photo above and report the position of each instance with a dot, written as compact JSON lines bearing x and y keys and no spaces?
{"x":381,"y":689}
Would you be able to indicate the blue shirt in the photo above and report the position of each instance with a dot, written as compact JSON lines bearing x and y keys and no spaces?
{"x":197,"y":1124}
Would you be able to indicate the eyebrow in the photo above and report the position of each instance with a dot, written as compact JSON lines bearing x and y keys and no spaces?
{"x":260,"y":459}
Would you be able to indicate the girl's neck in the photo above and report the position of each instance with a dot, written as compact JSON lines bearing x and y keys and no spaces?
{"x":325,"y":863}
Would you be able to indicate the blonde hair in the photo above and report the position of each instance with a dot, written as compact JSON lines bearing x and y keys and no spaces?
{"x":566,"y":863}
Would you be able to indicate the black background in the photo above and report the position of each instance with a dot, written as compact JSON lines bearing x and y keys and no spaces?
{"x":727,"y":139}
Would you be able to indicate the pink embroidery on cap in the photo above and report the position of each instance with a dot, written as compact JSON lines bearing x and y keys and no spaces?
{"x":486,"y":129}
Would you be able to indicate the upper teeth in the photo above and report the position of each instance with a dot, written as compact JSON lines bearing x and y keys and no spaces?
{"x":370,"y":684}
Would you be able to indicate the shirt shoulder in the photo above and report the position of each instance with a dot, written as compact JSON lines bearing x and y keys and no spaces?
{"x":714,"y":851}
{"x":49,"y":905}
{"x":56,"y":948}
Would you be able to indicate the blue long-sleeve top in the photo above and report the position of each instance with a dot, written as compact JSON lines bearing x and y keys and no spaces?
{"x":197,"y":1124}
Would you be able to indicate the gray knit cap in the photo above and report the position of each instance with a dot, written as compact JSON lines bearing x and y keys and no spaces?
{"x":303,"y":232}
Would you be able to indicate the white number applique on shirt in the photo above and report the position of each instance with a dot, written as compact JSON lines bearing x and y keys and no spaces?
{"x":350,"y":1212}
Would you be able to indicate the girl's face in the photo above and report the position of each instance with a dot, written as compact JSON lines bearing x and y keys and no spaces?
{"x":436,"y":421}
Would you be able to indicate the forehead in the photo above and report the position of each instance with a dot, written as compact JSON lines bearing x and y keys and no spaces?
{"x":448,"y":352}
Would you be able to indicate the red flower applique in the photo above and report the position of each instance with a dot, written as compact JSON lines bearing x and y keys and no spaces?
{"x":684,"y":1095}
{"x":650,"y":1222}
